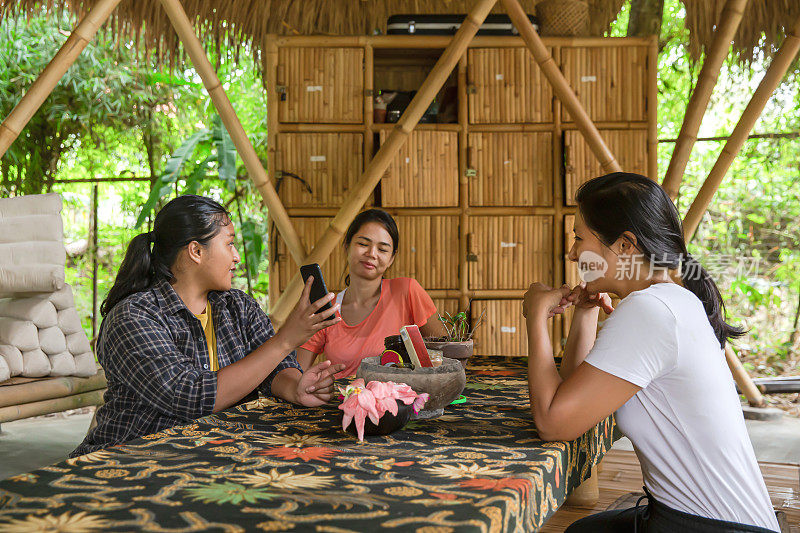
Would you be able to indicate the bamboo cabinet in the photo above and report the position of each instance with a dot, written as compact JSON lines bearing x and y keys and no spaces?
{"x":485,"y":202}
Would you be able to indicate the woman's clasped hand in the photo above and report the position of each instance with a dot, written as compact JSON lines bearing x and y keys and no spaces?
{"x":554,"y":301}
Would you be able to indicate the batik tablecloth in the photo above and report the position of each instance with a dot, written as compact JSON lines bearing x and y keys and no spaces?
{"x":273,"y":466}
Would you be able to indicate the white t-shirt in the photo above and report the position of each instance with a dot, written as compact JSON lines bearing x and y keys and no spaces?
{"x":686,"y":423}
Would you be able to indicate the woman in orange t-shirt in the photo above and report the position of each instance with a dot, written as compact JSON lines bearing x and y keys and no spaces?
{"x":372,"y":308}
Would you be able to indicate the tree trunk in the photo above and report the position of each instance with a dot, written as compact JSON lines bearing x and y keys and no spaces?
{"x":645,"y":18}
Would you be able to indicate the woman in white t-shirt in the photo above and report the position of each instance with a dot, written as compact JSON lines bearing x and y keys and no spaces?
{"x":657,"y":362}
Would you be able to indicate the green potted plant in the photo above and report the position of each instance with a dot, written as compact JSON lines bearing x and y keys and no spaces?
{"x":457,"y":341}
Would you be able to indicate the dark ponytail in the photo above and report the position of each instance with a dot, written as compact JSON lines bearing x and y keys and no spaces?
{"x":150,"y":255}
{"x":615,"y":203}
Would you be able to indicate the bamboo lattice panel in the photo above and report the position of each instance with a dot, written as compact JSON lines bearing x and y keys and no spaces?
{"x":321,"y":85}
{"x":310,"y":229}
{"x":510,"y":252}
{"x":507,"y":86}
{"x":502,"y":331}
{"x":428,"y":251}
{"x":446,"y":305}
{"x":580,"y":164}
{"x":424,"y":173}
{"x":512,"y":169}
{"x":330,"y":163}
{"x":610,"y":81}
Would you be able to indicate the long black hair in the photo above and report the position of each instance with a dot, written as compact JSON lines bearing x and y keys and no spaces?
{"x":184,"y":219}
{"x":365,"y":217}
{"x":621,"y":201}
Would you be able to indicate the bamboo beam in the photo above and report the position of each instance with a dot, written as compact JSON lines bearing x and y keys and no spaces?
{"x":55,"y":405}
{"x":561,"y":86}
{"x":777,"y":69}
{"x":463,"y":184}
{"x":386,"y":153}
{"x":81,"y":36}
{"x":47,"y":389}
{"x":743,"y":379}
{"x":728,"y":24}
{"x":193,"y":46}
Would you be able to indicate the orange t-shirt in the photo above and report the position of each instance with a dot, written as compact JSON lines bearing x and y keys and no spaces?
{"x":402,"y":302}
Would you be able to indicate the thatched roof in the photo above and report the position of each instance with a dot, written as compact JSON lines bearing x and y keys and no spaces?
{"x":249,"y":21}
{"x":762,"y":28}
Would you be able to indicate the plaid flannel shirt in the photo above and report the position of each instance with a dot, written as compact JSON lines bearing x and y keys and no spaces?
{"x":156,"y":359}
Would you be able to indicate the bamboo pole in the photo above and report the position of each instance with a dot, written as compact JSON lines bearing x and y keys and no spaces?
{"x":93,"y":226}
{"x":47,"y":389}
{"x":55,"y":405}
{"x":81,"y":36}
{"x":728,"y":24}
{"x":561,"y":86}
{"x":777,"y":69}
{"x":463,"y":183}
{"x":387,"y":152}
{"x":652,"y":109}
{"x":743,"y":379}
{"x":244,"y":147}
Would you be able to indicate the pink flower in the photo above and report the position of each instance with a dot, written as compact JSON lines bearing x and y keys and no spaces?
{"x":375,"y":399}
{"x":419,"y":402}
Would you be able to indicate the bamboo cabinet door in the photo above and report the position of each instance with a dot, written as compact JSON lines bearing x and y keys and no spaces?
{"x":581,"y":165}
{"x":510,"y":252}
{"x":505,"y":85}
{"x":320,"y":85}
{"x":425,"y":171}
{"x":428,"y":250}
{"x":610,"y":81}
{"x":502,"y":331}
{"x":511,"y":169}
{"x":310,"y":229}
{"x":327,"y":163}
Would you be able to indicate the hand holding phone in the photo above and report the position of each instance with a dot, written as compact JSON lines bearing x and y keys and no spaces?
{"x":311,"y":313}
{"x":318,"y":288}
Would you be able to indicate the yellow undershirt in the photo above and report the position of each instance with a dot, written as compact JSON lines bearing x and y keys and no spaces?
{"x":208,"y":327}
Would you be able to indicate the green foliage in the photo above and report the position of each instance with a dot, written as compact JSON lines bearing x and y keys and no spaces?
{"x":457,"y":326}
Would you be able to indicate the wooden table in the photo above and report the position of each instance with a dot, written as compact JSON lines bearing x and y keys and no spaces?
{"x":278,"y":467}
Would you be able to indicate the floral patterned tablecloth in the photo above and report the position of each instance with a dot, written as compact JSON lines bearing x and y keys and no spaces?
{"x":273,"y":466}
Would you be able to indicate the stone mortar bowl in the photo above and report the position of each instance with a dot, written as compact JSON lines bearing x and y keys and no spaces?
{"x":442,"y":383}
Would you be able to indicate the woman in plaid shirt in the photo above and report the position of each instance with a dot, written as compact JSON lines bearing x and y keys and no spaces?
{"x":178,"y":343}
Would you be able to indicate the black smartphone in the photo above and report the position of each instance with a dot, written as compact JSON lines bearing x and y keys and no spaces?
{"x":318,"y":288}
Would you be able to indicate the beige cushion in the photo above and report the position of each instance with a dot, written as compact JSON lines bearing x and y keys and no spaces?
{"x":62,"y":364}
{"x":31,"y":204}
{"x":20,"y":333}
{"x":77,"y":343}
{"x":30,"y":278}
{"x":69,"y":322}
{"x":31,"y":228}
{"x":35,"y":364}
{"x":40,"y":311}
{"x":52,"y":341}
{"x":85,"y":365}
{"x":5,"y":372}
{"x":63,"y":298}
{"x":13,"y":358}
{"x":26,"y":253}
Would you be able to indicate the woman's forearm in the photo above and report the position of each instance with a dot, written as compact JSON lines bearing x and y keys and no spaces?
{"x":284,"y":385}
{"x":237,"y":380}
{"x":582,"y":334}
{"x":543,"y":378}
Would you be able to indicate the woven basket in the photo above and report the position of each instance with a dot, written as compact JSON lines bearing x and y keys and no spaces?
{"x":563,"y":17}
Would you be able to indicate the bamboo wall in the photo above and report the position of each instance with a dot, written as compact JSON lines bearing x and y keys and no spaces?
{"x":485,"y":205}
